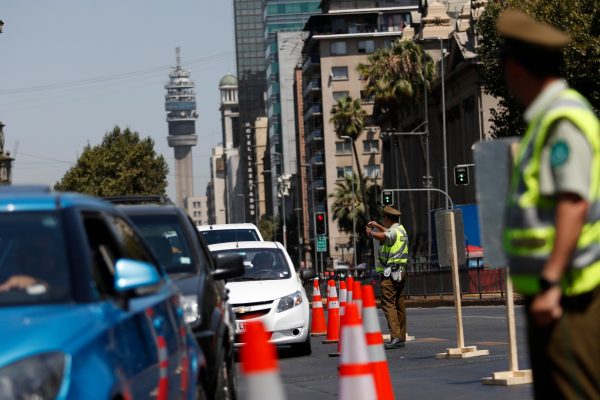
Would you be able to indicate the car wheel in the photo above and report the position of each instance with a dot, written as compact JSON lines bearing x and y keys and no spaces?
{"x":200,"y":393}
{"x":224,"y":390}
{"x":304,"y":348}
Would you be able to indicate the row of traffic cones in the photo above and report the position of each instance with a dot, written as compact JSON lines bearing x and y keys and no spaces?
{"x":363,"y":369}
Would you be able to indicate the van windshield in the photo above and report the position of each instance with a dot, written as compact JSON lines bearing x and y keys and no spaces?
{"x":229,"y":235}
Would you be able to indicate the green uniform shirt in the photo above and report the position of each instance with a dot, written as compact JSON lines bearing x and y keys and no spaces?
{"x":566,"y":162}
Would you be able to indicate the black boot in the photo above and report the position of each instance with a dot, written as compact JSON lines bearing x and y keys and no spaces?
{"x":395,"y":343}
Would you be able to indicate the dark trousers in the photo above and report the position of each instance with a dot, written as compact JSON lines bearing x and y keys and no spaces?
{"x":565,"y":356}
{"x":392,"y":304}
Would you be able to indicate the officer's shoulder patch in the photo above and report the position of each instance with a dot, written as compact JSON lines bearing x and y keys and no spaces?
{"x":559,"y":153}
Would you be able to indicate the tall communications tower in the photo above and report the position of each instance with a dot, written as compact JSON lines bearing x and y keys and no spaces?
{"x":180,"y":104}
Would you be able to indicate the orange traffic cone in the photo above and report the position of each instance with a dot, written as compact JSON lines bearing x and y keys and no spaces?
{"x":356,"y":380}
{"x":350,"y":285}
{"x":259,"y":364}
{"x":333,"y":315}
{"x":343,"y":302}
{"x":357,"y":297}
{"x":318,"y":326}
{"x":343,"y":297}
{"x":377,"y":359}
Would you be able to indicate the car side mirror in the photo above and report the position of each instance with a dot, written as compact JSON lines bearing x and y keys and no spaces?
{"x":228,"y":266}
{"x":307,"y":273}
{"x":131,"y":275}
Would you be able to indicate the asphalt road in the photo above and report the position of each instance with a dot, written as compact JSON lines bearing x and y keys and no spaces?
{"x":415,"y":371}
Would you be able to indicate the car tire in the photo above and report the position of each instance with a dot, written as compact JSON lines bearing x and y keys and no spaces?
{"x":201,"y":393}
{"x":302,"y":349}
{"x":224,"y":390}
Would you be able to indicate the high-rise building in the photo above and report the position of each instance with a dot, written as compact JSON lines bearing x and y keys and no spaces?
{"x":250,"y":58}
{"x":284,"y":22}
{"x":180,"y":104}
{"x":340,"y":39}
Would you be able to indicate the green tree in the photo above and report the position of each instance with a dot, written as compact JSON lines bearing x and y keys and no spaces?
{"x":122,"y":164}
{"x":267,"y":227}
{"x":348,"y":118}
{"x":397,"y":77}
{"x":347,"y":205}
{"x":579,"y":18}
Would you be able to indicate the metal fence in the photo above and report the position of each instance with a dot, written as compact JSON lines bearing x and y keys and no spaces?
{"x":426,"y":282}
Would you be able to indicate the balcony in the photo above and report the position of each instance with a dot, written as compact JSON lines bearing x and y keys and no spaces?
{"x":316,"y":134}
{"x":313,"y":110}
{"x":313,"y":85}
{"x":318,"y":184}
{"x":312,"y":60}
{"x":318,"y":159}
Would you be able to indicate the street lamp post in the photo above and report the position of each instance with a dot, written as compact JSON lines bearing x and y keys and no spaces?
{"x":353,"y":201}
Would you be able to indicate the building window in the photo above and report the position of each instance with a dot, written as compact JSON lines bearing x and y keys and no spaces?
{"x":343,"y":147}
{"x":343,"y":171}
{"x":339,"y":73}
{"x":372,"y":171}
{"x":371,"y":146}
{"x":338,"y":48}
{"x":340,"y":95}
{"x":366,"y":98}
{"x":366,"y":46}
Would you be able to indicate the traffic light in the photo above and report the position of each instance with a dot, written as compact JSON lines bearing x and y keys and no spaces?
{"x":461,"y":175}
{"x":320,"y":224}
{"x":387,"y":198}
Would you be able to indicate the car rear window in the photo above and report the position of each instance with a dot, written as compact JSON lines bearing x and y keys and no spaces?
{"x":262,"y":264}
{"x":33,"y":259}
{"x":229,"y":235}
{"x":165,"y":236}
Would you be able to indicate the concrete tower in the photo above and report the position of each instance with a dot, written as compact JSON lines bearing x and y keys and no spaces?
{"x":180,"y":104}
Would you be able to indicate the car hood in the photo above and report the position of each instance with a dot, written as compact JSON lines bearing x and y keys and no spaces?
{"x":188,"y":284}
{"x":257,"y":291}
{"x":28,"y":330}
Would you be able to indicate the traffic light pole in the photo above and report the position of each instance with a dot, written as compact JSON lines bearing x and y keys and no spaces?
{"x":420,"y":190}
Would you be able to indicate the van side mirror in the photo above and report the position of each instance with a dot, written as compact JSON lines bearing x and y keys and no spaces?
{"x":228,"y":265}
{"x":307,"y":273}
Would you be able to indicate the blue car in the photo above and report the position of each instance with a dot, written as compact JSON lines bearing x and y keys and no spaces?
{"x":86,"y":312}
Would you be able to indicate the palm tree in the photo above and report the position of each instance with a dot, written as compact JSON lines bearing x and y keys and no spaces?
{"x":348,"y":208}
{"x":396,"y":77}
{"x":348,"y":118}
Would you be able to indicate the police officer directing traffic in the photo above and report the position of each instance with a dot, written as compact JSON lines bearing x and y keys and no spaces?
{"x":391,"y":267}
{"x":552,"y":231}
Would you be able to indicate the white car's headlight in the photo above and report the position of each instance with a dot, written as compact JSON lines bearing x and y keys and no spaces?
{"x":290,"y":301}
{"x":36,"y":377}
{"x":190,"y":309}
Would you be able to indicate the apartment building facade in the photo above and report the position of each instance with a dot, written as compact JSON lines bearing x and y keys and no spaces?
{"x":340,"y":39}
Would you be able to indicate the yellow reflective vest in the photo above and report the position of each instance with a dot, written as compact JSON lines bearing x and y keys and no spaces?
{"x":395,"y":254}
{"x":530,"y":219}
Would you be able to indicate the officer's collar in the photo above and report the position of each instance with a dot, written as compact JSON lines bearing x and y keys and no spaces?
{"x":544,"y":98}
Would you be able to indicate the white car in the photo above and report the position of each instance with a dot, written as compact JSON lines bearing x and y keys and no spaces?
{"x":222,"y":233}
{"x":270,"y":291}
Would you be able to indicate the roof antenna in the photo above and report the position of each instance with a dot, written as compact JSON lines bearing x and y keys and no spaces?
{"x":178,"y":56}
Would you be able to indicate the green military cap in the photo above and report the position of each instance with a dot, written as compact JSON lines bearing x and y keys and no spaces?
{"x":516,"y":25}
{"x":389,"y":210}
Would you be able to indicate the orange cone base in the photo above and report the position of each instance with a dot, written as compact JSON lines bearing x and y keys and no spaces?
{"x":327,"y":341}
{"x":336,"y":354}
{"x":318,"y":334}
{"x":383,"y":385}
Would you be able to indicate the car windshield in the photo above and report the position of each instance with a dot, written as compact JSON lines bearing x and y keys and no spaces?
{"x":33,"y":259}
{"x":164,"y":235}
{"x":213,"y":236}
{"x":261,"y":264}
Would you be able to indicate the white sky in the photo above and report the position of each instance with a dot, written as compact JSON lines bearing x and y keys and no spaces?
{"x":71,"y":70}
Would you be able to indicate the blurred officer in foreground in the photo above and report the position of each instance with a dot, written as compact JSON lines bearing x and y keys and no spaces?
{"x":552,"y":233}
{"x":391,"y":267}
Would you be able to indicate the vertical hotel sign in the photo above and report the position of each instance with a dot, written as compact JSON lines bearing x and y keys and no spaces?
{"x":248,"y":135}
